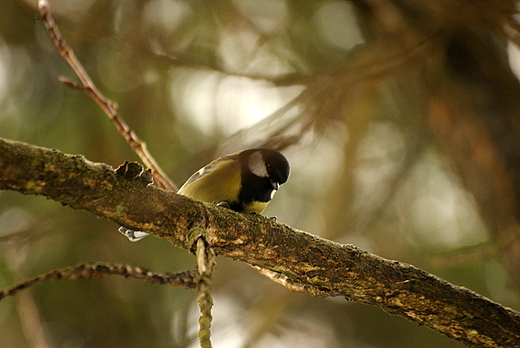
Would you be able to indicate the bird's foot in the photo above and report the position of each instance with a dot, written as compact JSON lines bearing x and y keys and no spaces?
{"x":134,"y":236}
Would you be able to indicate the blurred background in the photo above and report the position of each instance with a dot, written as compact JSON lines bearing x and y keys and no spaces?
{"x":400,"y":120}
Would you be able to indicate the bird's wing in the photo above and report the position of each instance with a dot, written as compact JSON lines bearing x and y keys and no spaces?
{"x":207,"y":169}
{"x":218,"y":181}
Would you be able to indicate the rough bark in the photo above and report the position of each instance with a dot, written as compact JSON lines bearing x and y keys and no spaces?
{"x":296,"y":259}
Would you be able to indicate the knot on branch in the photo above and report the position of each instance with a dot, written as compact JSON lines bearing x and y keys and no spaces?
{"x":135,"y":171}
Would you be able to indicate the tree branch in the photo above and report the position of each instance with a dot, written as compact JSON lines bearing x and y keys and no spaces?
{"x":188,"y":279}
{"x":296,"y":259}
{"x":108,"y":106}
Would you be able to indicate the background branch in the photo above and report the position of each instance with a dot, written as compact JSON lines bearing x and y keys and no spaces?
{"x":188,"y":279}
{"x":312,"y":264}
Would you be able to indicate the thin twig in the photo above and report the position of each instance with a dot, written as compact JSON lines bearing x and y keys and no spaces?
{"x":205,"y":265}
{"x":187,"y":279}
{"x":108,"y":106}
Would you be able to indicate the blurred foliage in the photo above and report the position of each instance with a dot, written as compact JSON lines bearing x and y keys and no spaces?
{"x":398,"y":118}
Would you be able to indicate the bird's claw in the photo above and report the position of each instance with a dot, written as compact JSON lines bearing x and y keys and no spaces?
{"x":224,"y":205}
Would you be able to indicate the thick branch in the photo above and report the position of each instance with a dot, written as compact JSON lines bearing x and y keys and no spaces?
{"x":296,"y":259}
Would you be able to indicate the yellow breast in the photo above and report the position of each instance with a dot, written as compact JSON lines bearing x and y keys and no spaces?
{"x":257,"y":207}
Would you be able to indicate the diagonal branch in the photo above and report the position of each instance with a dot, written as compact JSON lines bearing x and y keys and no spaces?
{"x":108,"y":106}
{"x":296,"y":259}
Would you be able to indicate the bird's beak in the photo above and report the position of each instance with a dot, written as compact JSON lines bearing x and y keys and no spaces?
{"x":275,"y":185}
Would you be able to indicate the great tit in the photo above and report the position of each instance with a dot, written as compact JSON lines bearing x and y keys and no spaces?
{"x":244,"y":181}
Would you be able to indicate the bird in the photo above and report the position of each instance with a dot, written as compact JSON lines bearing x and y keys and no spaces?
{"x":244,"y":181}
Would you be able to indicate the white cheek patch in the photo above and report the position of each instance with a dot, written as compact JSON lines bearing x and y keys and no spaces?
{"x":257,"y":165}
{"x":272,"y":193}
